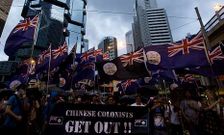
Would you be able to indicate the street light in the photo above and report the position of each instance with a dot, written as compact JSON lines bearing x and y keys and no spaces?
{"x":217,"y":7}
{"x":109,"y":47}
{"x":32,"y":61}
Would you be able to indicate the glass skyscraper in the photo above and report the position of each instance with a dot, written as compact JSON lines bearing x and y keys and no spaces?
{"x":109,"y":44}
{"x":151,"y":26}
{"x":77,"y":26}
{"x":50,"y":30}
{"x":57,"y":20}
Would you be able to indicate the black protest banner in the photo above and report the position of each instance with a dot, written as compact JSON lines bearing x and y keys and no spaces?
{"x":72,"y":119}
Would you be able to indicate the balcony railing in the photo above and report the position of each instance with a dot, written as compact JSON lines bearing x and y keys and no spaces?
{"x":219,"y":16}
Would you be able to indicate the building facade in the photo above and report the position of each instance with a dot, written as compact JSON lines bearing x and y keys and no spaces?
{"x":50,"y":29}
{"x":159,"y":29}
{"x":6,"y":69}
{"x":129,"y":41}
{"x":151,"y":23}
{"x":85,"y":45}
{"x":64,"y":18}
{"x":77,"y":25}
{"x":5,"y":6}
{"x":109,"y":44}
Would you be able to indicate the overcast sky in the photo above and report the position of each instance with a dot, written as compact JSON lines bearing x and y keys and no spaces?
{"x":181,"y":15}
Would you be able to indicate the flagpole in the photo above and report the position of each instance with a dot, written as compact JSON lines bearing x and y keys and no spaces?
{"x":35,"y":36}
{"x":206,"y":44}
{"x":49,"y":69}
{"x":94,"y":79}
{"x":73,"y":60}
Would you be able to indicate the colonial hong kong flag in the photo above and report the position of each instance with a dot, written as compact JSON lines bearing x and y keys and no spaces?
{"x":106,"y":56}
{"x":217,"y":59}
{"x":58,"y":55}
{"x":157,"y":57}
{"x":216,"y":54}
{"x":190,"y":52}
{"x":98,"y":54}
{"x":128,"y":87}
{"x":43,"y":60}
{"x":135,"y":62}
{"x":85,"y":72}
{"x":23,"y":32}
{"x":87,"y":55}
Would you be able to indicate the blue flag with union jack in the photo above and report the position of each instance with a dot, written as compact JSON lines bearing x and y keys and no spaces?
{"x":157,"y":57}
{"x":216,"y":58}
{"x":23,"y":32}
{"x":55,"y":57}
{"x":128,"y":87}
{"x":58,"y":55}
{"x":135,"y":62}
{"x":190,"y":52}
{"x":86,"y":66}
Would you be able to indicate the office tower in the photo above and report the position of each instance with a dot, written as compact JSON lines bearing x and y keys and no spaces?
{"x":109,"y":44}
{"x":129,"y":41}
{"x":151,"y":23}
{"x":77,"y":24}
{"x":55,"y":17}
{"x":5,"y":6}
{"x":50,"y":28}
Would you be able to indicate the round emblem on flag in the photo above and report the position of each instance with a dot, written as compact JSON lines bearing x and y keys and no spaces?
{"x":62,"y":82}
{"x":110,"y":68}
{"x":14,"y":84}
{"x":153,"y":57}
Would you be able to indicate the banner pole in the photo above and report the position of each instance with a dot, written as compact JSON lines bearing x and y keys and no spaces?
{"x":206,"y":43}
{"x":49,"y":69}
{"x":73,"y":61}
{"x":35,"y":36}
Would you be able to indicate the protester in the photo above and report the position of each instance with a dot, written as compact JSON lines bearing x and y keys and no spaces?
{"x":174,"y":112}
{"x":210,"y":119}
{"x":33,"y":121}
{"x":190,"y":111}
{"x":14,"y":112}
{"x":158,"y":117}
{"x":96,"y":99}
{"x":138,"y":101}
{"x":111,"y":100}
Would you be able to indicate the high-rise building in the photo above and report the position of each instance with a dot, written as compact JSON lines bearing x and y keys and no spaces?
{"x":49,"y":31}
{"x":55,"y":18}
{"x":109,"y":44}
{"x":85,"y":45}
{"x":5,"y":6}
{"x":151,"y":23}
{"x":137,"y":34}
{"x":76,"y":26}
{"x":158,"y":25}
{"x":129,"y":41}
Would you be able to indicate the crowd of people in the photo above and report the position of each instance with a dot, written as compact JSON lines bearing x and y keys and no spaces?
{"x":27,"y":111}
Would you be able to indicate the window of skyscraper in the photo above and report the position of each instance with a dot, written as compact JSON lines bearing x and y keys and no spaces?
{"x":76,"y":10}
{"x":57,"y":13}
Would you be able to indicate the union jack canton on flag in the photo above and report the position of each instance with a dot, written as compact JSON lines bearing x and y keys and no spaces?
{"x":23,"y":32}
{"x":197,"y":43}
{"x":216,"y":54}
{"x":190,"y":52}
